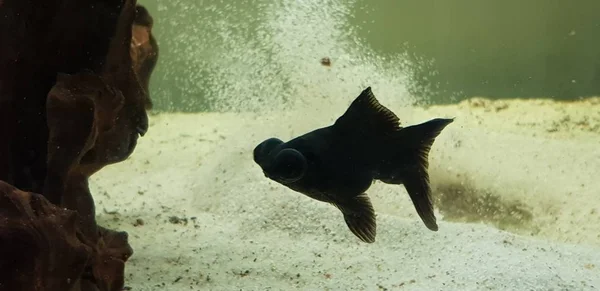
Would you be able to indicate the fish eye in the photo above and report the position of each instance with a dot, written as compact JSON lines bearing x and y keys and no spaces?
{"x":262,"y":150}
{"x":290,"y":165}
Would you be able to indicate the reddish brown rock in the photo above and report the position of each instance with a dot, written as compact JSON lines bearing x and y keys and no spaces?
{"x":43,"y":249}
{"x":73,"y":99}
{"x":144,"y":49}
{"x":37,"y":241}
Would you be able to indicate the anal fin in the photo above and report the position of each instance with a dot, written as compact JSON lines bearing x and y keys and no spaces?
{"x":360,"y":217}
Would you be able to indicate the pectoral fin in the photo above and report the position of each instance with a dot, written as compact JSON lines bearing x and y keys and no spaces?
{"x":360,"y":217}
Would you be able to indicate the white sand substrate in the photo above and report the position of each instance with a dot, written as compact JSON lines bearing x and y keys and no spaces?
{"x":201,"y":215}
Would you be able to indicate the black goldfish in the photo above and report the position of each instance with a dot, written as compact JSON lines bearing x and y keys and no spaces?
{"x":338,"y":163}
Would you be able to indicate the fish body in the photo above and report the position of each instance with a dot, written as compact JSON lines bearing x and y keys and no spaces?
{"x":337,"y":164}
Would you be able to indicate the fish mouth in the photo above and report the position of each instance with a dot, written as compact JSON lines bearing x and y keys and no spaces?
{"x":141,"y":130}
{"x":141,"y":123}
{"x":132,"y":144}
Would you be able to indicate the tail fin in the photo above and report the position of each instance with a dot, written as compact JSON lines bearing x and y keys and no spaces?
{"x":410,"y":168}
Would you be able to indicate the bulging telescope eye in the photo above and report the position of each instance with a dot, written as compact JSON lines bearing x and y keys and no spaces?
{"x":262,"y":150}
{"x":289,"y":166}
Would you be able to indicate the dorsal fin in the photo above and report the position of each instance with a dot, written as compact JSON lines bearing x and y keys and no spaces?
{"x":367,"y":114}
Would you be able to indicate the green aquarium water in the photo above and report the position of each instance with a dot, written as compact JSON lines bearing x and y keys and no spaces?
{"x":443,"y":51}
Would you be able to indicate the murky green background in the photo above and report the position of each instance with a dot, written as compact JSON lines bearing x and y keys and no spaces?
{"x":499,"y":49}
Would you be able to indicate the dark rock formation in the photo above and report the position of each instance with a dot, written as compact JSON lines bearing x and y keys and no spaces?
{"x":73,"y":99}
{"x":43,"y":249}
{"x":36,"y":240}
{"x":144,"y":49}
